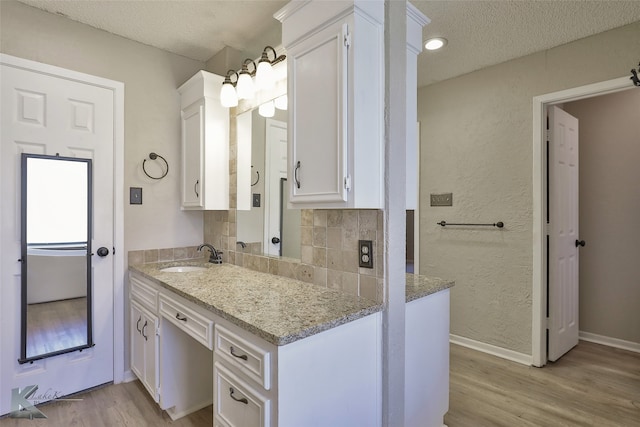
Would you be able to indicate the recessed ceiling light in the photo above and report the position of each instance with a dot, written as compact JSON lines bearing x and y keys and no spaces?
{"x":435,"y":43}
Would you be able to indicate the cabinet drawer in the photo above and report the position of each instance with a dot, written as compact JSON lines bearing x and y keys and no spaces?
{"x":249,"y":358}
{"x":187,"y":319}
{"x":144,"y":293}
{"x":237,"y":404}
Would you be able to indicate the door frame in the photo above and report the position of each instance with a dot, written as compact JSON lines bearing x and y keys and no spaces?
{"x":118,"y":185}
{"x":539,"y":294}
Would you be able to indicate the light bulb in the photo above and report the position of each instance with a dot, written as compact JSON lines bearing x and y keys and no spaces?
{"x":228,"y":96}
{"x":267,"y":109}
{"x":245,"y":86}
{"x":281,"y":102}
{"x":264,"y":75}
{"x":435,"y":43}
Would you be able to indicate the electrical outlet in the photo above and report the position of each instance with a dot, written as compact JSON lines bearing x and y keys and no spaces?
{"x":445,"y":199}
{"x":366,"y":253}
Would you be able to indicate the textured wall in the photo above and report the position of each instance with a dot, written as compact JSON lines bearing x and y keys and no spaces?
{"x":609,"y":220}
{"x":476,"y":141}
{"x":152,"y":110}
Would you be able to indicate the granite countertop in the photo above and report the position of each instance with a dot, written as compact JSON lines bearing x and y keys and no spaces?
{"x":275,"y":308}
{"x":419,"y":286}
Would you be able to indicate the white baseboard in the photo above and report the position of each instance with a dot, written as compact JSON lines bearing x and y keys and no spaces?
{"x":611,"y":342}
{"x":504,"y":353}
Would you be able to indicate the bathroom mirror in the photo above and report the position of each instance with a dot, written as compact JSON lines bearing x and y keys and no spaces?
{"x":55,"y":256}
{"x":264,"y":223}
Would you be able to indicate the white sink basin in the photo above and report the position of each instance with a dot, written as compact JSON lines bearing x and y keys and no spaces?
{"x":182,"y":269}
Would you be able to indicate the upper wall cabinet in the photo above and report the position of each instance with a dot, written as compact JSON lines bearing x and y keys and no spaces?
{"x":336,"y":97}
{"x":335,"y":55}
{"x":205,"y":144}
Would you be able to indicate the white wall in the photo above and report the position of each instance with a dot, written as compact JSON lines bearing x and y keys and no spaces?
{"x":152,"y":111}
{"x":609,"y":128}
{"x":476,"y":141}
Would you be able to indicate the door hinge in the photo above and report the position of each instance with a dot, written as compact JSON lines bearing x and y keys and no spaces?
{"x":547,"y":323}
{"x":347,"y":39}
{"x":158,"y":330}
{"x":158,"y":391}
{"x":347,"y":182}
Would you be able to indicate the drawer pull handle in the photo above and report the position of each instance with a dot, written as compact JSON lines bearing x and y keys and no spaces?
{"x":180,"y":317}
{"x":143,"y":327}
{"x":239,"y":356}
{"x":241,"y":400}
{"x":138,"y":324}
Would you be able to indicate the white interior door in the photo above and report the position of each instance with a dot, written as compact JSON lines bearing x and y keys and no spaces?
{"x":275,"y":168}
{"x":563,"y":233}
{"x":43,"y":113}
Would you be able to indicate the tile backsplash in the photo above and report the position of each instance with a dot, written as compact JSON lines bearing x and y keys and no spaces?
{"x":164,"y":255}
{"x":329,"y":249}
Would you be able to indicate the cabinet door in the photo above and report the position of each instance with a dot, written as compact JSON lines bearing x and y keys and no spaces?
{"x":318,"y":96}
{"x":151,"y":364}
{"x":192,"y":143}
{"x":137,"y":341}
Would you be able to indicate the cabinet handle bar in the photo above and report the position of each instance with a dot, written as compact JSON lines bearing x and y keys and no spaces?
{"x":181,"y":318}
{"x":241,"y":400}
{"x":239,"y":356}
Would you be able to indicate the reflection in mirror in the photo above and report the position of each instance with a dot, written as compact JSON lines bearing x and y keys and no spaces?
{"x":267,"y":227}
{"x":56,"y":256}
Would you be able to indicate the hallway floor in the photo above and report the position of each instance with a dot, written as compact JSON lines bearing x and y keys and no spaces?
{"x":592,"y":385}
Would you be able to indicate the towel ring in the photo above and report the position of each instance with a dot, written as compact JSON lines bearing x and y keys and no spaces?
{"x":257,"y":179}
{"x":154,"y":156}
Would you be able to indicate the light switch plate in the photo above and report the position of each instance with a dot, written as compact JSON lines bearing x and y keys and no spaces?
{"x":444,"y":199}
{"x":135,"y":195}
{"x":366,"y":253}
{"x":256,"y":200}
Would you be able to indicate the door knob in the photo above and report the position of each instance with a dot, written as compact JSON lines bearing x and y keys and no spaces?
{"x":102,"y":252}
{"x":580,"y":243}
{"x":275,"y":240}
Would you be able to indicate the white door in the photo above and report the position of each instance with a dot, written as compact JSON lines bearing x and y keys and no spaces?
{"x":47,"y":114}
{"x":563,"y":233}
{"x":275,"y":169}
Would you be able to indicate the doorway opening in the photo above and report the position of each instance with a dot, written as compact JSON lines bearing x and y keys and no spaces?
{"x":540,"y":190}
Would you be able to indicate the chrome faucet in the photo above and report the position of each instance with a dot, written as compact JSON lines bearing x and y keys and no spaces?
{"x":215,"y":256}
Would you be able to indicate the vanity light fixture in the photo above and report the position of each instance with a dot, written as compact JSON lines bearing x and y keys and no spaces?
{"x":244,"y":87}
{"x":435,"y":43}
{"x":281,"y":102}
{"x":267,"y":109}
{"x":228,"y":96}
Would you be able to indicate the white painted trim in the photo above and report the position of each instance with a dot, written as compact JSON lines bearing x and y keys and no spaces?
{"x":494,"y":350}
{"x":118,"y":239}
{"x":539,"y":291}
{"x":609,"y":341}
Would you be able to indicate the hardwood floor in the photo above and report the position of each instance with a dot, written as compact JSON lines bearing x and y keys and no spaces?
{"x":56,"y":325}
{"x":592,"y":385}
{"x":127,"y":404}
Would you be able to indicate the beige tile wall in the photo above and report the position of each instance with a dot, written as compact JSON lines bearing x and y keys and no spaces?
{"x":163,"y":255}
{"x":329,"y":243}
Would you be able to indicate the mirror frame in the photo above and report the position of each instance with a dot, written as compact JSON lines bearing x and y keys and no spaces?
{"x":23,"y":258}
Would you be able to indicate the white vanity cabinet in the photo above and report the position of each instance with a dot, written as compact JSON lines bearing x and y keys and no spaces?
{"x":335,"y":74}
{"x":205,"y":144}
{"x":144,"y":347}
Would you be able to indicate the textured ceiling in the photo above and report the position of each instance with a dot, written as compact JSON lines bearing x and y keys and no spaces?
{"x":480,"y":33}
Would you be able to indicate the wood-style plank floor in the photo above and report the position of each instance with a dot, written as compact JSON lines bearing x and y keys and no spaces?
{"x":593,"y":385}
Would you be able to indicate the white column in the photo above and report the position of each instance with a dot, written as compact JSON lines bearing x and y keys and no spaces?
{"x":395,"y":41}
